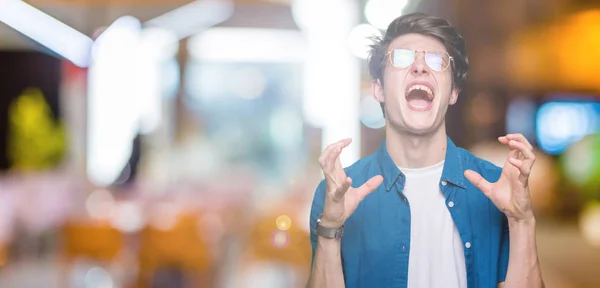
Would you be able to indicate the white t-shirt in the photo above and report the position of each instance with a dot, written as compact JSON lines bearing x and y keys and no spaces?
{"x":436,"y":256}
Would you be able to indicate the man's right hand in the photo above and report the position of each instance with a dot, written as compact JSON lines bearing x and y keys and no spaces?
{"x":341,"y":199}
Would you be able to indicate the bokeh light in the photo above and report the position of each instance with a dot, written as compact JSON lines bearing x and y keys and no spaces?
{"x":360,"y":40}
{"x":280,"y":239}
{"x":371,"y":114}
{"x":283,"y":222}
{"x":581,"y":163}
{"x":589,"y":223}
{"x":560,"y":124}
{"x":100,"y":204}
{"x":380,"y":13}
{"x":164,"y":216}
{"x":127,"y":217}
{"x":98,"y":278}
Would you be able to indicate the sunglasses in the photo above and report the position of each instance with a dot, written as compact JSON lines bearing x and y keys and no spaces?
{"x":435,"y":60}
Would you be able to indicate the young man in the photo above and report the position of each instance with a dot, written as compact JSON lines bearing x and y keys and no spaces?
{"x":426,"y":213}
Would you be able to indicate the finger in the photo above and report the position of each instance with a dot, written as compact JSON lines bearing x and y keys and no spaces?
{"x":521,"y":165}
{"x":325,"y":154}
{"x":369,"y":186}
{"x":479,"y":182}
{"x":333,"y":160}
{"x":520,"y":138}
{"x":339,"y":193}
{"x":326,"y":160}
{"x":522,"y":147}
{"x":332,"y":157}
{"x":503,"y":140}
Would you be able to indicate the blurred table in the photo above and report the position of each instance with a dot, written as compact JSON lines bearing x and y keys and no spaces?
{"x":567,"y":260}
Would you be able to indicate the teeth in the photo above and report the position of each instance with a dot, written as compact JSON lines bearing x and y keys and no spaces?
{"x":420,"y":87}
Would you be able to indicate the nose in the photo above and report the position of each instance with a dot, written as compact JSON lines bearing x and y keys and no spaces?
{"x":419,"y":67}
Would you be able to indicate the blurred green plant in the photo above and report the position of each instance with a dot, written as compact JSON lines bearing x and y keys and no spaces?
{"x":35,"y":140}
{"x":581,"y":166}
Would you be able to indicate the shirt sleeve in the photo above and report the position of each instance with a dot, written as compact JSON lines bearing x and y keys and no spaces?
{"x":315,"y":211}
{"x":504,"y":251}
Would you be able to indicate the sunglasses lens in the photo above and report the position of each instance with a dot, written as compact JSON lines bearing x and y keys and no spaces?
{"x":402,"y":58}
{"x":437,"y":61}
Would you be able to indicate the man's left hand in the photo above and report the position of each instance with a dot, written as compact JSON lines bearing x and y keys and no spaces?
{"x":511,"y":192}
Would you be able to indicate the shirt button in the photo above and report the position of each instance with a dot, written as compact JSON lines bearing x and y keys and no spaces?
{"x":403,"y":248}
{"x":444,"y":182}
{"x":468,"y":245}
{"x":450,"y":204}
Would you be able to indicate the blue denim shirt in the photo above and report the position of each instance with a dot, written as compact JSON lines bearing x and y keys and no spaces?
{"x":376,"y":241}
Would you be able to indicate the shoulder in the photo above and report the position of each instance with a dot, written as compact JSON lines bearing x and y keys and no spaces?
{"x":488,"y":170}
{"x":362,"y":169}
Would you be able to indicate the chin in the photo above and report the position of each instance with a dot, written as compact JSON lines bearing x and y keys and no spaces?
{"x":411,"y":127}
{"x":421,"y":129}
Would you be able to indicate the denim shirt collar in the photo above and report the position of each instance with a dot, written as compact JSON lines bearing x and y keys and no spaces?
{"x":452,"y":172}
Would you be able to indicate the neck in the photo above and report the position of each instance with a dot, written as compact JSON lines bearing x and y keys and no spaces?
{"x":416,"y":151}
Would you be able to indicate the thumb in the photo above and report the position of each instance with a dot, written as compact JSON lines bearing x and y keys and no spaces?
{"x":339,"y":193}
{"x":479,"y":182}
{"x":369,"y":186}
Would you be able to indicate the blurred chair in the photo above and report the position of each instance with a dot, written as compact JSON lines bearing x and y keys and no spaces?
{"x":278,"y":253}
{"x":96,"y":241}
{"x":176,"y":256}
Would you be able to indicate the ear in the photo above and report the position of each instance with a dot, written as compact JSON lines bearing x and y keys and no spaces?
{"x":377,"y":90}
{"x":454,"y":95}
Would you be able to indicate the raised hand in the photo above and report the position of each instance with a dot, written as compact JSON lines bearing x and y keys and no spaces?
{"x":341,"y":199}
{"x":511,"y":192}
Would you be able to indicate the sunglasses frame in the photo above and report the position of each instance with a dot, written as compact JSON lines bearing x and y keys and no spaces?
{"x":425,"y":52}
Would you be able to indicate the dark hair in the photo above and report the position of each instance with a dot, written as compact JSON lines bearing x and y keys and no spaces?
{"x":423,"y":24}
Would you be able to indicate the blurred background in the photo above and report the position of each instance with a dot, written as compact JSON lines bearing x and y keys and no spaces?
{"x":155,"y":143}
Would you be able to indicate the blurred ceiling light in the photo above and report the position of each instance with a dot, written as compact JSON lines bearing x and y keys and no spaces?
{"x":331,"y":72}
{"x":194,"y":17}
{"x":380,"y":13}
{"x":360,"y":40}
{"x":248,"y":45}
{"x":46,"y":30}
{"x":124,"y":30}
{"x":113,"y":109}
{"x":159,"y":43}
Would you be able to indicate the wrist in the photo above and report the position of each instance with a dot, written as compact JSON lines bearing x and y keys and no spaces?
{"x":527,"y":222}
{"x":331,"y":222}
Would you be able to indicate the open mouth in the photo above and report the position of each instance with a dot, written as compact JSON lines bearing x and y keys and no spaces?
{"x":419,"y":97}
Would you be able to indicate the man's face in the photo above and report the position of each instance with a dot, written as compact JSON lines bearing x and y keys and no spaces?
{"x":416,"y":97}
